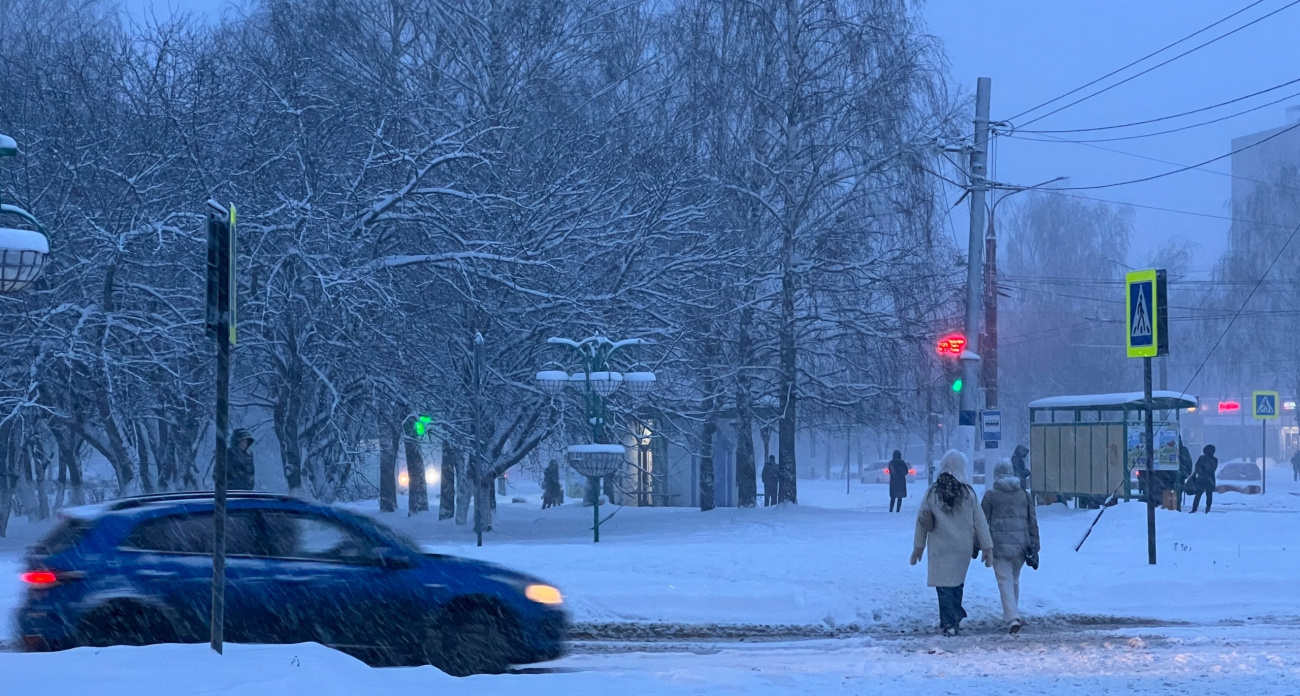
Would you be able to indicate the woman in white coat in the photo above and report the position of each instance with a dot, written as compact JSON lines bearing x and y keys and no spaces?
{"x":952,"y":526}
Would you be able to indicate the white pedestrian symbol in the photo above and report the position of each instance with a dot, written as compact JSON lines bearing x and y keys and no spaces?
{"x":1141,"y":315}
{"x":1265,"y":406}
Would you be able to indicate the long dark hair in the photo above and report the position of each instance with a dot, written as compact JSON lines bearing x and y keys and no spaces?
{"x":951,"y":492}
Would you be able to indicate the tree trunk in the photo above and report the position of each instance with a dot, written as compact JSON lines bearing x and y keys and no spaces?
{"x":388,"y":443}
{"x":418,"y":488}
{"x":746,"y":472}
{"x":707,"y":495}
{"x":787,"y":470}
{"x":447,"y":481}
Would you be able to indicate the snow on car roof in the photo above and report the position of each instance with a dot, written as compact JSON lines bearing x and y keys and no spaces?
{"x":1162,"y":400}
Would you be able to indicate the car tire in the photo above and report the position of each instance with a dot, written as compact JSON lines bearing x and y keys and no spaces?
{"x":471,"y":640}
{"x":125,"y":624}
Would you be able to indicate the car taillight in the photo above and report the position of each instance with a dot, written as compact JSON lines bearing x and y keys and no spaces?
{"x":40,"y":578}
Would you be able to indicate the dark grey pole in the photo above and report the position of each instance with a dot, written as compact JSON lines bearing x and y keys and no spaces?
{"x":1151,"y":456}
{"x":219,"y":315}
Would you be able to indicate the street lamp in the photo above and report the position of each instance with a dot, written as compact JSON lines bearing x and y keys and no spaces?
{"x":596,"y":382}
{"x":22,"y":252}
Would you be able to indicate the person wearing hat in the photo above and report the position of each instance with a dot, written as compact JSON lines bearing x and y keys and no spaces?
{"x":240,"y":474}
{"x":1013,"y":524}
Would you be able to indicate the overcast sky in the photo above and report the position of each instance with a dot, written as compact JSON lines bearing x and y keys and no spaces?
{"x":1035,"y":50}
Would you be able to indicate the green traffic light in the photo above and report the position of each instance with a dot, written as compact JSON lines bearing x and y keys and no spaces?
{"x":956,"y":385}
{"x":422,"y":425}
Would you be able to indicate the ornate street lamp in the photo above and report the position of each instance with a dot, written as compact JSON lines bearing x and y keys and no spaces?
{"x":596,"y":382}
{"x":22,"y":252}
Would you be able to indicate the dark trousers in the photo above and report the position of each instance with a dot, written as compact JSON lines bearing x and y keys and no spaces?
{"x":1209,"y":500}
{"x":895,"y":504}
{"x":950,"y":610}
{"x":769,"y":496}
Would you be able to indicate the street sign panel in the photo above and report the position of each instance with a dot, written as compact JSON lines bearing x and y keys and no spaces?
{"x":991,"y":422}
{"x":1147,"y":319}
{"x":1265,"y":405}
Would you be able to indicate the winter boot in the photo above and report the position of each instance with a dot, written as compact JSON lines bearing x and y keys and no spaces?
{"x":1016,"y":625}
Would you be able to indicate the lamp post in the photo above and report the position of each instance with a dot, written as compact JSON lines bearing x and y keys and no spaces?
{"x":22,"y":252}
{"x":597,"y":382}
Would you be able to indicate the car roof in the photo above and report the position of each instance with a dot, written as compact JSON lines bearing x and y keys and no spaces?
{"x":188,"y":499}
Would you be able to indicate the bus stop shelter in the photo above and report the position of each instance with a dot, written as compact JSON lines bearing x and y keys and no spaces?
{"x":1088,"y":446}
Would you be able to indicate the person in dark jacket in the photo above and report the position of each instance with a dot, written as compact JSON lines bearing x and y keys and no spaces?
{"x":1018,"y":466}
{"x":897,"y":482}
{"x":1295,"y":464}
{"x":1202,"y":480}
{"x":769,"y":481}
{"x":1013,"y":524}
{"x":240,"y":474}
{"x":552,"y":492}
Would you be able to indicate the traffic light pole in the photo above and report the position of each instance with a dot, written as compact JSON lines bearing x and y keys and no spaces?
{"x":968,"y":415}
{"x":220,"y":324}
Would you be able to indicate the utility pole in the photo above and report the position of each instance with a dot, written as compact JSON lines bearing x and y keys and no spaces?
{"x":967,"y":418}
{"x":482,"y":490}
{"x":929,"y":433}
{"x":219,"y":323}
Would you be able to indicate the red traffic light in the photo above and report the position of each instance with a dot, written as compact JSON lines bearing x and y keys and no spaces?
{"x":952,"y":344}
{"x":1229,"y":406}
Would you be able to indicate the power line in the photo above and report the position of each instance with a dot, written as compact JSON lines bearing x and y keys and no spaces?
{"x":1175,"y":115}
{"x":1228,"y":218}
{"x":1051,"y":134}
{"x":1180,"y":170}
{"x":1227,"y":328}
{"x":1080,"y":88}
{"x":1058,"y":140}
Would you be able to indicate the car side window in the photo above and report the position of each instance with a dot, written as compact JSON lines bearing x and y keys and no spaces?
{"x":308,"y":537}
{"x":194,"y":534}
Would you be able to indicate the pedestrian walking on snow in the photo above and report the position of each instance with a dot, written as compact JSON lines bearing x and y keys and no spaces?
{"x":769,"y":481}
{"x":1203,"y":479}
{"x":1019,"y":467}
{"x":897,"y":482}
{"x":951,"y":525}
{"x":1013,"y":525}
{"x":552,"y":491}
{"x":1295,"y":464}
{"x":241,"y":474}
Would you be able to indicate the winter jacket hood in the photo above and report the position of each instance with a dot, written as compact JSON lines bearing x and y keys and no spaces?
{"x":954,"y":463}
{"x":1007,"y":483}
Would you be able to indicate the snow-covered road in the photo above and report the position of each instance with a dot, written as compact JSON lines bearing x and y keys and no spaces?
{"x":1219,"y":614}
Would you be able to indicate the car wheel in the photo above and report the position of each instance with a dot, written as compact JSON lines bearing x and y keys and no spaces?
{"x":471,"y":641}
{"x":125,"y":624}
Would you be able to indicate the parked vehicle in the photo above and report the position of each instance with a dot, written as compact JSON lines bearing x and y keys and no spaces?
{"x":878,"y":472}
{"x":1239,"y":476}
{"x":138,"y":571}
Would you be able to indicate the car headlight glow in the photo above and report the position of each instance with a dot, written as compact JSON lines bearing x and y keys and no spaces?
{"x":543,"y":594}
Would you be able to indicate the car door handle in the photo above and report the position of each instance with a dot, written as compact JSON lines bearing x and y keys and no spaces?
{"x":293,"y":578}
{"x":155,"y":573}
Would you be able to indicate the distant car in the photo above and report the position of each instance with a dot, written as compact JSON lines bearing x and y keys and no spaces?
{"x":878,"y":472}
{"x":138,"y":571}
{"x":1239,"y":476}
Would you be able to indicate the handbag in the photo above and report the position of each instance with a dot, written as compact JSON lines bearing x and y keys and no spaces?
{"x":1031,"y":555}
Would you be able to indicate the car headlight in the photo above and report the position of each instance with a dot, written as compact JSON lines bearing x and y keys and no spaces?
{"x":544,"y":594}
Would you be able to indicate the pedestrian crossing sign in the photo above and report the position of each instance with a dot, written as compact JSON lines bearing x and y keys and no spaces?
{"x":1265,"y":405}
{"x":1147,"y":321}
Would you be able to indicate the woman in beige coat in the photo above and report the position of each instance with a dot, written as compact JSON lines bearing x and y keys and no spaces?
{"x":952,"y":526}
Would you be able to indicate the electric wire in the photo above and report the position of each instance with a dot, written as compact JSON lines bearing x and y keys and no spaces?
{"x":1153,"y":54}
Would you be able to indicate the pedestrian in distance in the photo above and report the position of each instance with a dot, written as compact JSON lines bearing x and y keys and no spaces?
{"x":951,"y":525}
{"x":1019,"y":467}
{"x":897,"y":482}
{"x":1295,"y":465}
{"x":1013,"y":525}
{"x":552,"y":492}
{"x":1203,"y":479}
{"x":240,"y":473}
{"x":769,"y":481}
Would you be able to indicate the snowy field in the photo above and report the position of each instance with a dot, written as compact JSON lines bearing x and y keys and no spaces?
{"x":1219,"y":614}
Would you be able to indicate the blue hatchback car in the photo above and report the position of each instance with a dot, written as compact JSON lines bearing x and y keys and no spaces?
{"x":139,"y":570}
